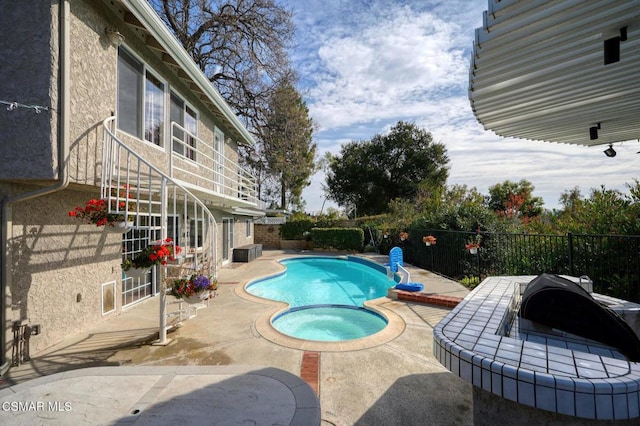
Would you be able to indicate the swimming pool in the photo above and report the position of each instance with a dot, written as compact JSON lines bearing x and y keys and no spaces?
{"x":326,"y":297}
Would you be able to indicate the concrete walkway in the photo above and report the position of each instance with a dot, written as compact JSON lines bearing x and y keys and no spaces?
{"x":219,"y":362}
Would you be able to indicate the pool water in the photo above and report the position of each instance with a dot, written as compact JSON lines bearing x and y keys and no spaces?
{"x":309,"y":282}
{"x":329,"y":323}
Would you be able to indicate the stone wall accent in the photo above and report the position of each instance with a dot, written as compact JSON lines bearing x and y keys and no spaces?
{"x":294,"y":245}
{"x":268,"y":236}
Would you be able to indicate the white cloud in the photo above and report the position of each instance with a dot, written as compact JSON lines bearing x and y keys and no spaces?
{"x":367,"y":64}
{"x":385,"y":70}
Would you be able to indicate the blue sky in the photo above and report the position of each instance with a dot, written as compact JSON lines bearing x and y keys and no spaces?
{"x":366,"y":64}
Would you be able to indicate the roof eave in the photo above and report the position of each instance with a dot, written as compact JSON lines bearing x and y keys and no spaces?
{"x":152,"y":22}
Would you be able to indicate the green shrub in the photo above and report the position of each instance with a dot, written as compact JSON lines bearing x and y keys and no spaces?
{"x":338,"y":238}
{"x":470,"y":282}
{"x":295,"y":230}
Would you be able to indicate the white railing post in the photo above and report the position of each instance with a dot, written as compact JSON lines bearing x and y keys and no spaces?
{"x":162,"y":334}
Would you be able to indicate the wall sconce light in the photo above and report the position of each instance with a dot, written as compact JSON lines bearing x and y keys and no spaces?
{"x":593,"y":132}
{"x":114,"y":36}
{"x":610,"y":152}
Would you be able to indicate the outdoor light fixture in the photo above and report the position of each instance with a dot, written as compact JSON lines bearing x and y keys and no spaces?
{"x":612,"y":47}
{"x":593,"y":132}
{"x":610,"y":152}
{"x":114,"y":36}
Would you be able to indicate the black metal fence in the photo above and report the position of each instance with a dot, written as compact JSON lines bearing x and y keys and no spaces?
{"x":611,"y":261}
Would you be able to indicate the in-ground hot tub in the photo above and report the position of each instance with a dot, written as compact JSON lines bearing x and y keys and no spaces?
{"x":329,"y":323}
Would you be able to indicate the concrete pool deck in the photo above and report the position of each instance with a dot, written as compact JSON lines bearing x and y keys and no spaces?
{"x":221,"y":352}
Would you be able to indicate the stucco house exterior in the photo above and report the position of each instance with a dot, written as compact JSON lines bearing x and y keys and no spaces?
{"x":100,"y":101}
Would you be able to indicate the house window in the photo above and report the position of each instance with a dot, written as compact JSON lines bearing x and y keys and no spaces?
{"x":130,"y":73}
{"x":186,"y":117}
{"x":141,"y":99}
{"x":153,"y":109}
{"x":173,"y":229}
{"x":196,"y":233}
{"x":218,"y":166}
{"x":248,"y":227}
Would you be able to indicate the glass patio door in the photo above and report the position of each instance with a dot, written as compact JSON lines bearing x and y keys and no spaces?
{"x":227,"y":239}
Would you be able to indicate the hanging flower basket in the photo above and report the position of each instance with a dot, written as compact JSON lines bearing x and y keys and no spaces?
{"x":110,"y":214}
{"x":137,"y":272}
{"x":121,"y":227}
{"x":473,"y":244}
{"x":194,"y":289}
{"x":157,"y":253}
{"x":196,"y":298}
{"x":472,"y":247}
{"x":429,"y":240}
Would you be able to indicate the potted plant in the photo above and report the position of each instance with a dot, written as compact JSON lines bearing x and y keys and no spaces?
{"x":404,"y":236}
{"x":473,"y":244}
{"x":429,"y":240}
{"x":156,"y":253}
{"x":97,"y":212}
{"x":193,"y":289}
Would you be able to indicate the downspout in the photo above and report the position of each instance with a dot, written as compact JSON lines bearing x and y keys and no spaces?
{"x":62,"y":180}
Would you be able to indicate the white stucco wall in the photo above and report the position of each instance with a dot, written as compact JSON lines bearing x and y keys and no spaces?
{"x":57,"y":264}
{"x":55,"y":258}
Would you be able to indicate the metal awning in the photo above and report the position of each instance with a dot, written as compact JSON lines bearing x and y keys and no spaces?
{"x":538,"y":70}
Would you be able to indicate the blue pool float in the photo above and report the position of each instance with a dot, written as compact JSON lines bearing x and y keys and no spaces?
{"x":404,"y":283}
{"x":409,"y":286}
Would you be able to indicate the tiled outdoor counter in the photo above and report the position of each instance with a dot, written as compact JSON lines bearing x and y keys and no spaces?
{"x":481,"y":341}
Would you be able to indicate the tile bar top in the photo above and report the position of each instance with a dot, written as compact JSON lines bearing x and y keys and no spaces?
{"x":552,"y":372}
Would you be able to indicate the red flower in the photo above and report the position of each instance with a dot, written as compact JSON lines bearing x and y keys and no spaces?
{"x":158,"y":253}
{"x":95,"y":211}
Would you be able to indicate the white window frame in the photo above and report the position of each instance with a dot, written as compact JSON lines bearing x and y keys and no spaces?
{"x":248,"y":224}
{"x":193,"y":232}
{"x":146,"y":69}
{"x":218,"y":157}
{"x":229,"y":239}
{"x":177,"y":228}
{"x":185,"y":105}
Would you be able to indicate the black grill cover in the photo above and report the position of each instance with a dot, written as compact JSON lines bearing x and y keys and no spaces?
{"x":562,"y":304}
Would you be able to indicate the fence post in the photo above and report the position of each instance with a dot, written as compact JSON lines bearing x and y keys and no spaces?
{"x":570,"y":248}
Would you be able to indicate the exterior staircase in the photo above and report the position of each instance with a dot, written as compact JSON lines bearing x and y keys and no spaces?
{"x":160,"y":207}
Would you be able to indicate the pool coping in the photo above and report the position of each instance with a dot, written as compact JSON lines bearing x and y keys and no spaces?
{"x":395,"y":323}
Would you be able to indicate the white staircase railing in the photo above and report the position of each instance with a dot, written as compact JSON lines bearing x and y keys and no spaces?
{"x":160,"y":208}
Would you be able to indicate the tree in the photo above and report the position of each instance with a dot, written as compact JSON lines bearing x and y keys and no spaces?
{"x":513,"y":200}
{"x":239,"y":44}
{"x":461,"y":208}
{"x":289,"y":151}
{"x":400,"y":164}
{"x":606,"y":211}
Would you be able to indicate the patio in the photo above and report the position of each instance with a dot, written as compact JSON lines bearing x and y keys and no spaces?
{"x":398,"y":382}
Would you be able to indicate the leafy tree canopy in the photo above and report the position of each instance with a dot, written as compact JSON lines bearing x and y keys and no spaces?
{"x":400,"y":164}
{"x":514,"y":200}
{"x":605,"y":211}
